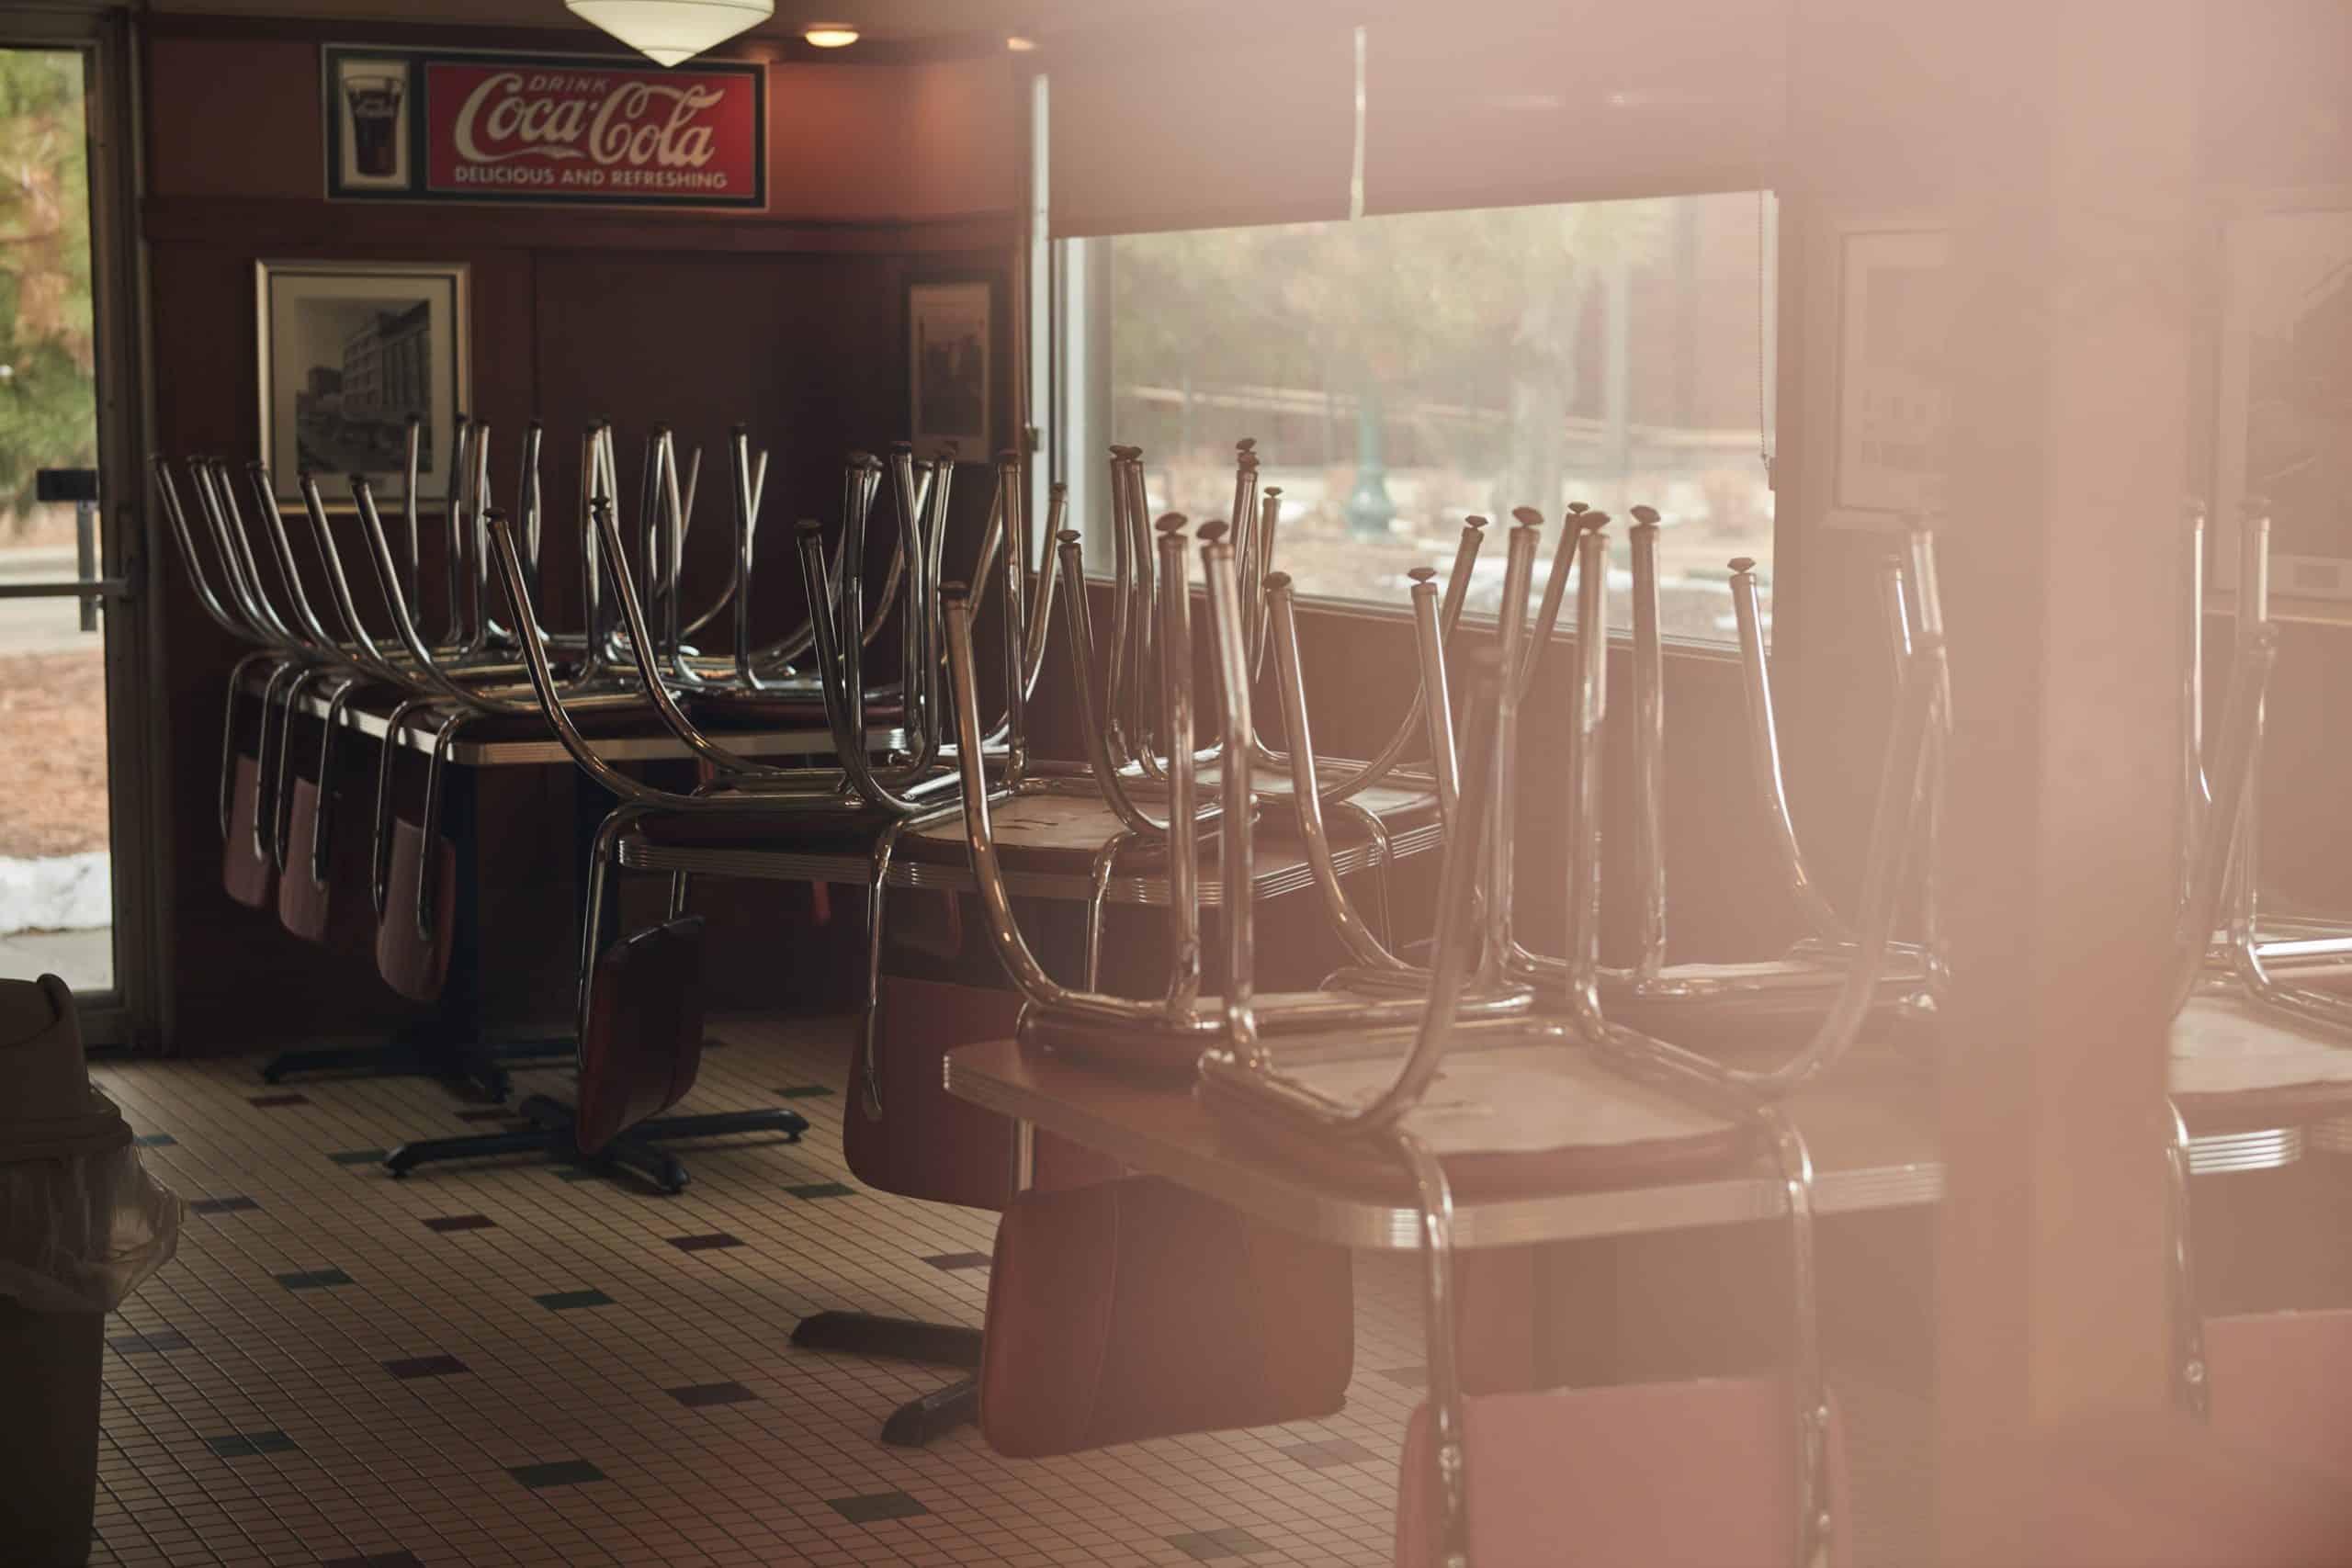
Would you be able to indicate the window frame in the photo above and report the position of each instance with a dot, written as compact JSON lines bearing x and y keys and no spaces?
{"x":1072,"y":292}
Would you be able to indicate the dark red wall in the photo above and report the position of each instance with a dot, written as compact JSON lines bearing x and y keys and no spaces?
{"x":791,"y":320}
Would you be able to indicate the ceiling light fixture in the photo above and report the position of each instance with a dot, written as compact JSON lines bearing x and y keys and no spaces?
{"x":831,"y":35}
{"x":667,"y":31}
{"x":1020,"y":45}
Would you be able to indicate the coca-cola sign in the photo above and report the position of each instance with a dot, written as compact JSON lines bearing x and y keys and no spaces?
{"x":581,"y":129}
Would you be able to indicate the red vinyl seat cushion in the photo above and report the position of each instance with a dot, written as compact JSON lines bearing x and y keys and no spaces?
{"x":641,"y":1044}
{"x":2153,"y":1490}
{"x":2283,"y":1380}
{"x":333,"y":912}
{"x":929,"y":1144}
{"x":1135,"y":1308}
{"x":417,"y":965}
{"x":1696,"y":1474}
{"x":245,"y":873}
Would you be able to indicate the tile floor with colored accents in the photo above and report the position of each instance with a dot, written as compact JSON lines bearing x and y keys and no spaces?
{"x":485,"y":1364}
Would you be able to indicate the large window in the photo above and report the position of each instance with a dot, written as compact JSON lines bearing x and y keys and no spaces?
{"x":1401,"y":372}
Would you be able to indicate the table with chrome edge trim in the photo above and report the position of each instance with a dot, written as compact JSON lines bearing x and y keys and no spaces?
{"x":648,"y":743}
{"x":1060,"y":825}
{"x":1871,"y":1134}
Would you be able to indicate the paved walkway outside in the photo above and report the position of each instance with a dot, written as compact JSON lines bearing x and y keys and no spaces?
{"x":83,"y":960}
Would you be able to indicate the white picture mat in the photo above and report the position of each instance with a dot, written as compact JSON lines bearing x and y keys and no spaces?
{"x":304,"y":307}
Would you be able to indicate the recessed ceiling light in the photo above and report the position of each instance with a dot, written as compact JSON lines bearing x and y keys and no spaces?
{"x":831,"y":35}
{"x":1020,"y":45}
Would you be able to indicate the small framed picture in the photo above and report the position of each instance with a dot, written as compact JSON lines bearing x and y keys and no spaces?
{"x":370,"y":104}
{"x":2286,"y":397}
{"x":349,"y":351}
{"x":1893,"y":401}
{"x":948,"y":373}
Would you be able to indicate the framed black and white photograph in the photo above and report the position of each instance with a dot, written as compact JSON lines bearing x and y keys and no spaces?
{"x":349,"y":350}
{"x":2285,"y":397}
{"x":948,"y":371}
{"x":1893,"y":401}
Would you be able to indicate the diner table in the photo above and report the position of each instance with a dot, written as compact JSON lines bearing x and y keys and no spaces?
{"x":1870,"y":1127}
{"x":1047,"y":840}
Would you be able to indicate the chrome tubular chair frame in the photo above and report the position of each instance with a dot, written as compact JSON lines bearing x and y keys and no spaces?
{"x":550,"y":1133}
{"x":1182,"y":1013}
{"x":1900,"y":790}
{"x":2249,"y":956}
{"x":1241,"y":1065}
{"x":1909,"y":975}
{"x":1353,"y":779}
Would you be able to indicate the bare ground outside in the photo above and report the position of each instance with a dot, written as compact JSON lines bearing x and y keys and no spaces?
{"x":52,"y":753}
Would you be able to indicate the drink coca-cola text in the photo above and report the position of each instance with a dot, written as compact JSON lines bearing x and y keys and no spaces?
{"x":525,"y":131}
{"x":632,"y":123}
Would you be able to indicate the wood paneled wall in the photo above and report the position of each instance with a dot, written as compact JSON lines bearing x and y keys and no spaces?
{"x":791,"y":320}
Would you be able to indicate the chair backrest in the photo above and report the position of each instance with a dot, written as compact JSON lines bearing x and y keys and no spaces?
{"x":1704,"y":1473}
{"x":1135,"y":1308}
{"x":640,"y":1046}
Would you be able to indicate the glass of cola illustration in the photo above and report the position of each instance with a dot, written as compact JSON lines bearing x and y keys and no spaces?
{"x":374,"y":104}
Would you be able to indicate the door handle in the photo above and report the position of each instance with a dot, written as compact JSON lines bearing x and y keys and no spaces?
{"x":85,"y":556}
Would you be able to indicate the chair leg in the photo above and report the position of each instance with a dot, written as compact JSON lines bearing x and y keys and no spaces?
{"x":935,"y":1414}
{"x":722,"y":1124}
{"x":634,"y":1153}
{"x":541,"y":1141}
{"x":900,"y":1339}
{"x":476,"y":1067}
{"x":914,"y":1424}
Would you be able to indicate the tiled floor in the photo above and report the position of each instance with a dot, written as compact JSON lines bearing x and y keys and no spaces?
{"x":488,"y":1363}
{"x":485,"y":1363}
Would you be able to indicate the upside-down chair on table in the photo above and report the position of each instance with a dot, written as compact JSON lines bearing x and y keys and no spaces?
{"x":1726,"y":1470}
{"x":279,"y":837}
{"x":2250,"y":1055}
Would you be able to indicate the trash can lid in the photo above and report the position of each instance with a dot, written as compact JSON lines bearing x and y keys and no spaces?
{"x":48,"y":1108}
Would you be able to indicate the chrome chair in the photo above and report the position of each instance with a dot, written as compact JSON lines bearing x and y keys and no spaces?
{"x":2253,"y":1062}
{"x":346,"y":663}
{"x":1118,"y":681}
{"x":1809,"y":989}
{"x":752,"y":818}
{"x":1378,"y":968}
{"x":1166,"y":1033}
{"x":1731,"y":1471}
{"x":553,"y":1127}
{"x":2270,"y":961}
{"x":552,"y":1130}
{"x":1802,"y":984}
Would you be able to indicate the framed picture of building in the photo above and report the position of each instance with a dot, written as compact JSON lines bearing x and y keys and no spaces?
{"x":948,"y":373}
{"x":349,"y":351}
{"x":2285,"y":397}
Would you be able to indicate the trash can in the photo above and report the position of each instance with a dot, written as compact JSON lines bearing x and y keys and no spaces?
{"x":81,"y":1225}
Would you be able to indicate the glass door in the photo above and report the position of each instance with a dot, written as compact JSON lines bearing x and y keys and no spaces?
{"x":71,"y":806}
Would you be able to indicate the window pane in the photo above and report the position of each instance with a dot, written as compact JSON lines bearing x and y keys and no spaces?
{"x":1401,"y":372}
{"x":56,"y":889}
